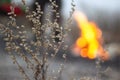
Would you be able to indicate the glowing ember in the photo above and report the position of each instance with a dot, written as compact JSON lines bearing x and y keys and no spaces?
{"x":90,"y":40}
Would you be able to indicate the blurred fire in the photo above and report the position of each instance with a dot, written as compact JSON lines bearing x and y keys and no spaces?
{"x":89,"y":44}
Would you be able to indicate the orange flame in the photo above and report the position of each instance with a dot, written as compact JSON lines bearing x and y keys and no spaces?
{"x":89,"y":43}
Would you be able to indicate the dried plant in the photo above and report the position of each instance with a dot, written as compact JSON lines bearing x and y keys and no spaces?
{"x":35,"y":52}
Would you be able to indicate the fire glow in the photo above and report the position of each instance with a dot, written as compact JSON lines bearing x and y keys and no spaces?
{"x":89,"y":43}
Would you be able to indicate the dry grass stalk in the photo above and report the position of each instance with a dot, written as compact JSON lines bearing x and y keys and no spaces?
{"x":35,"y":52}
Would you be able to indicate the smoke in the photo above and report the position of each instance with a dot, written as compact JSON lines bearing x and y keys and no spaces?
{"x":113,"y":50}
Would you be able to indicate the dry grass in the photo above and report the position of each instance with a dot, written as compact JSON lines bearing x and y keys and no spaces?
{"x":34,"y":52}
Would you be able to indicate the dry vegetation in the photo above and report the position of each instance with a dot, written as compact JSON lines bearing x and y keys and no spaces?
{"x":35,"y":52}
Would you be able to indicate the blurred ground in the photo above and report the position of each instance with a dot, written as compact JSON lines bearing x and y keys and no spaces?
{"x":72,"y":69}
